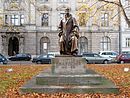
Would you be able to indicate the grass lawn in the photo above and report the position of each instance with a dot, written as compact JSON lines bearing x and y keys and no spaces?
{"x":13,"y":77}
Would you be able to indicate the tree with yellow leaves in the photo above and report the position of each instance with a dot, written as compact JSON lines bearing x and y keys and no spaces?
{"x":119,"y":3}
{"x":115,"y":6}
{"x":91,"y":10}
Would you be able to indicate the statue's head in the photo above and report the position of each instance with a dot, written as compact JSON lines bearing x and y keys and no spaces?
{"x":67,"y":11}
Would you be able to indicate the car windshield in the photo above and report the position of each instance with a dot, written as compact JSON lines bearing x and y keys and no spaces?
{"x":43,"y":56}
{"x":19,"y":55}
{"x":50,"y":55}
{"x":1,"y":56}
{"x":108,"y":53}
{"x":96,"y":55}
{"x":128,"y":55}
{"x":88,"y":55}
{"x":114,"y":53}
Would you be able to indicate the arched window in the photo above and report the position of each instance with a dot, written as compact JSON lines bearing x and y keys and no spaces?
{"x":83,"y":44}
{"x":105,"y":43}
{"x":44,"y":45}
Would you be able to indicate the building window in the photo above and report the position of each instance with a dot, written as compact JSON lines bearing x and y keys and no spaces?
{"x":62,"y":15}
{"x":105,"y":43}
{"x":83,"y":1}
{"x":83,"y":44}
{"x":105,"y":20}
{"x":43,"y":0}
{"x":45,"y":19}
{"x":44,"y":45}
{"x":63,"y":0}
{"x":6,"y":19}
{"x":21,"y":19}
{"x":14,"y":19}
{"x":127,"y":42}
{"x":14,"y":0}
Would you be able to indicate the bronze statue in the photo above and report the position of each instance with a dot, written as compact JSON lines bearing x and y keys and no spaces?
{"x":68,"y":35}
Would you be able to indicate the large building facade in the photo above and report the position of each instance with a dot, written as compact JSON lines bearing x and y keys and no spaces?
{"x":125,"y":29}
{"x":30,"y":26}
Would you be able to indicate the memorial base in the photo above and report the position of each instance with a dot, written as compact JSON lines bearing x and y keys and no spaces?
{"x":68,"y":74}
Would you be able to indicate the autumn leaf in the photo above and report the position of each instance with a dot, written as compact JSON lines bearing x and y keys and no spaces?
{"x":11,"y":81}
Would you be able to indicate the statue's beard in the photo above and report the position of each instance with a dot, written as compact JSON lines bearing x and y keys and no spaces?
{"x":67,"y":14}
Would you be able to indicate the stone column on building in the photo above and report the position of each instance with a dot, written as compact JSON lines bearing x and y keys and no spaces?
{"x":73,"y":7}
{"x":32,"y":12}
{"x":4,"y":44}
{"x":54,"y":17}
{"x":21,"y":44}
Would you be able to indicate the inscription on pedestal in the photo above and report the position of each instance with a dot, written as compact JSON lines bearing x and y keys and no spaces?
{"x":68,"y":65}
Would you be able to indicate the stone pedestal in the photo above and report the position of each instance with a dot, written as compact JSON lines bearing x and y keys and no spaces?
{"x":68,"y":65}
{"x":68,"y":74}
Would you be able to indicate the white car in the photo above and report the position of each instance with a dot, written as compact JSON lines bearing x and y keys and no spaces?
{"x":94,"y":58}
{"x":109,"y":54}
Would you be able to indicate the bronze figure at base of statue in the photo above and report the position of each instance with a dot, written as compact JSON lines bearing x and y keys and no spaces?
{"x":74,"y":53}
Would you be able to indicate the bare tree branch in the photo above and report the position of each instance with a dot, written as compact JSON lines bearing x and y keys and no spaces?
{"x":98,"y":10}
{"x":110,"y":2}
{"x":122,"y":9}
{"x":119,"y":12}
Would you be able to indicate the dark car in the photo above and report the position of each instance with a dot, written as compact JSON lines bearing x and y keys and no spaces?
{"x":43,"y":59}
{"x":3,"y":59}
{"x":21,"y":57}
{"x":95,"y":58}
{"x":123,"y":58}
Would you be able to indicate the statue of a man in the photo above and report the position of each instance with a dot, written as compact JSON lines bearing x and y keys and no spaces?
{"x":68,"y":34}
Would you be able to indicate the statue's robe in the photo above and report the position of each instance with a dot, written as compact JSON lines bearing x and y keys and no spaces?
{"x":68,"y":36}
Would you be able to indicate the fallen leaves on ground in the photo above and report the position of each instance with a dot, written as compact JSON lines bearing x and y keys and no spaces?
{"x":11,"y":81}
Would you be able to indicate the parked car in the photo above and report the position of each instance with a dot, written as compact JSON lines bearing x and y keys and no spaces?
{"x":3,"y":59}
{"x":109,"y":54}
{"x":125,"y":52}
{"x":123,"y":58}
{"x":20,"y":57}
{"x":95,"y":58}
{"x":43,"y":59}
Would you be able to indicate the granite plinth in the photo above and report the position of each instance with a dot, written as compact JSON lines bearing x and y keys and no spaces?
{"x":107,"y":87}
{"x":65,"y":64}
{"x":68,"y":74}
{"x":89,"y":79}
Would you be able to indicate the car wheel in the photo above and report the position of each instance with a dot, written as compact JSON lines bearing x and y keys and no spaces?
{"x":5,"y":62}
{"x":38,"y":62}
{"x":49,"y":62}
{"x":105,"y":62}
{"x":122,"y":62}
{"x":86,"y":61}
{"x":1,"y":62}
